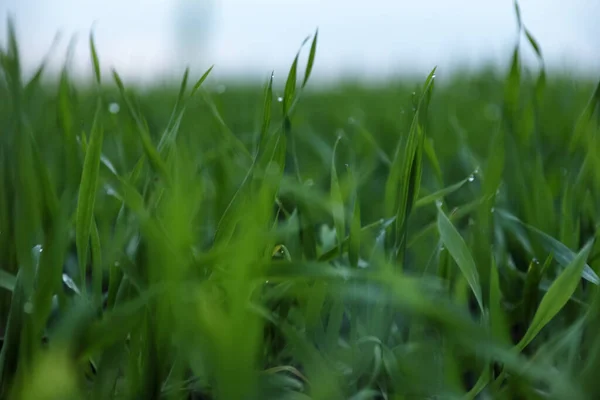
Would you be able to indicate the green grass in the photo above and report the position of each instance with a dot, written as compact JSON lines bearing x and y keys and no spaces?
{"x":411,"y":241}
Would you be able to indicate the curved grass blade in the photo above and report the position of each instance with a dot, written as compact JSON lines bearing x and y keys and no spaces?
{"x":440,"y":194}
{"x":200,"y":82}
{"x":95,"y":60}
{"x":290,"y":87}
{"x":561,"y":253}
{"x":460,"y":252}
{"x":153,"y":156}
{"x":266,"y":114}
{"x":34,"y":82}
{"x":87,"y":193}
{"x":311,"y":58}
{"x":557,"y":296}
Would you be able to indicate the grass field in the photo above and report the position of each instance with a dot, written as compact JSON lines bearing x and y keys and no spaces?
{"x":412,"y":241}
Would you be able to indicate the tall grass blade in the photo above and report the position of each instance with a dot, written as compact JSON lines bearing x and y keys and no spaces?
{"x":87,"y":194}
{"x":557,"y":296}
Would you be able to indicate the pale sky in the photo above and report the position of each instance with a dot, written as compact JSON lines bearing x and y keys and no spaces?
{"x":368,"y":39}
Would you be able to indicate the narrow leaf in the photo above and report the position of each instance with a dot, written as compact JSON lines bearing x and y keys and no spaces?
{"x":87,"y":193}
{"x":557,"y":296}
{"x":460,"y":253}
{"x":95,"y":60}
{"x":311,"y":59}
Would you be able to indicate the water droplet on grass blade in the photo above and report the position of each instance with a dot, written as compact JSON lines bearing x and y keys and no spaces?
{"x":114,"y":108}
{"x":471,"y":178}
{"x":221,"y":89}
{"x":280,"y":99}
{"x":28,"y":307}
{"x":70,"y":283}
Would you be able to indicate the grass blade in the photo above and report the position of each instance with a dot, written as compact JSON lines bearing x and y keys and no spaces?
{"x":557,"y":296}
{"x":290,"y":87}
{"x":337,"y":200}
{"x":95,"y":60}
{"x":7,"y":281}
{"x":200,"y":81}
{"x":561,"y":253}
{"x":311,"y":58}
{"x":460,"y":253}
{"x":87,"y":194}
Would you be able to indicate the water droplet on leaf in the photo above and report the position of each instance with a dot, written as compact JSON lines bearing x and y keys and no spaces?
{"x":114,"y":108}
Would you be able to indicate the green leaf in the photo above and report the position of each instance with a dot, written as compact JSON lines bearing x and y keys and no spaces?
{"x":97,"y":266}
{"x":290,"y":87}
{"x":7,"y":280}
{"x":311,"y":58}
{"x":534,"y":44}
{"x":557,"y":296}
{"x":561,"y":253}
{"x":200,"y":81}
{"x":460,"y":253}
{"x":518,"y":14}
{"x":151,"y":152}
{"x":440,"y":194}
{"x":534,"y":276}
{"x":355,"y":226}
{"x":34,"y":82}
{"x":87,"y":193}
{"x":337,"y":200}
{"x":497,"y":315}
{"x":9,"y":356}
{"x":266,"y":114}
{"x":404,"y":180}
{"x":95,"y":60}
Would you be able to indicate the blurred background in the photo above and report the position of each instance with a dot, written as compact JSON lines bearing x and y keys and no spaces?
{"x":368,"y":40}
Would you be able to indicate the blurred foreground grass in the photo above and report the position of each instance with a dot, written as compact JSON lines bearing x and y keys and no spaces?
{"x":358,"y":243}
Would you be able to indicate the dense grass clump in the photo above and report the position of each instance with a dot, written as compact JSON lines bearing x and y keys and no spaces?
{"x":396,"y":243}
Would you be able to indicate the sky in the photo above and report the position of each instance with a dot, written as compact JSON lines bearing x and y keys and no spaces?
{"x":370,"y":40}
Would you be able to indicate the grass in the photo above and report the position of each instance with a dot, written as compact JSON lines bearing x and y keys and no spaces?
{"x":404,"y":242}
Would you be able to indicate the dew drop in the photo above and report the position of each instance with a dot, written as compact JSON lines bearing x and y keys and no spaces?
{"x":280,"y":99}
{"x":471,"y":178}
{"x":535,"y":261}
{"x":439,"y":202}
{"x":309,"y":182}
{"x":492,"y":210}
{"x":70,"y":283}
{"x":114,"y":108}
{"x":28,"y":307}
{"x":221,"y":89}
